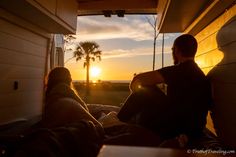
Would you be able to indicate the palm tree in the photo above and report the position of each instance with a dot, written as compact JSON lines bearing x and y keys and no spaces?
{"x":89,"y":51}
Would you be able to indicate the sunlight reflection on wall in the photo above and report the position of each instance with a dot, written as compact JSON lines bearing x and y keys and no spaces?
{"x":208,"y":61}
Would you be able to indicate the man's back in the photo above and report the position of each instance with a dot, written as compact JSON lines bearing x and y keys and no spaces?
{"x":190,"y":96}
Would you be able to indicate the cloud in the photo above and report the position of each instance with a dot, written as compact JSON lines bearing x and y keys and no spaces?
{"x":120,"y":53}
{"x":133,"y":27}
{"x":121,"y":37}
{"x":127,"y":53}
{"x":99,"y":27}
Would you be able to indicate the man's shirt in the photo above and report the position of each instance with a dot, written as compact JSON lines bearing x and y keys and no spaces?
{"x":189,"y":93}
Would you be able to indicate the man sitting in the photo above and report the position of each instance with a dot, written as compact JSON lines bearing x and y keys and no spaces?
{"x":184,"y":108}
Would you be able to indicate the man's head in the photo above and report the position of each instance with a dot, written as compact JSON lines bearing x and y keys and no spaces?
{"x":184,"y":46}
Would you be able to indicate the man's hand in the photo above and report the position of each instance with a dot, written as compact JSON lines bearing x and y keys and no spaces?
{"x":146,"y":79}
{"x":135,"y":84}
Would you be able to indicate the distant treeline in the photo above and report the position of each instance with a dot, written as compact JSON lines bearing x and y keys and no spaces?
{"x":103,"y":86}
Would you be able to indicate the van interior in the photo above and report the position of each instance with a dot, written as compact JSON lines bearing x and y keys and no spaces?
{"x":32,"y":43}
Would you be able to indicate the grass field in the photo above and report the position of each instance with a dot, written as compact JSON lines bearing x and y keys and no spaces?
{"x":106,"y":93}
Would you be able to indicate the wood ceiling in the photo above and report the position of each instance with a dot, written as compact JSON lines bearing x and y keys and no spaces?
{"x":98,"y":7}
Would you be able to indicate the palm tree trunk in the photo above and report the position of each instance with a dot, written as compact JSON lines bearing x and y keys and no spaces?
{"x":87,"y":76}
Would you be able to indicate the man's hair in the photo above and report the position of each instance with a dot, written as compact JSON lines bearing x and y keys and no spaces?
{"x":187,"y":45}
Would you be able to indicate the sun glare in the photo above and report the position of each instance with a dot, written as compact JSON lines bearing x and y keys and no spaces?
{"x":95,"y":71}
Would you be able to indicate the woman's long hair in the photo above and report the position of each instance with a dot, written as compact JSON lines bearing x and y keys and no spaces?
{"x":61,"y":75}
{"x":56,"y":76}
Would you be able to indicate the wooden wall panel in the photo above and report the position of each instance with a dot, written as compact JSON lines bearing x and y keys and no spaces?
{"x":205,"y":47}
{"x":217,"y":24}
{"x":20,"y":32}
{"x":225,"y":128}
{"x":20,"y":105}
{"x":50,"y":5}
{"x":11,"y":42}
{"x":217,"y":58}
{"x":67,"y":11}
{"x":23,"y":58}
{"x":228,"y":90}
{"x":53,"y":16}
{"x":20,"y":58}
{"x":21,"y":72}
{"x":24,"y":85}
{"x":209,"y":59}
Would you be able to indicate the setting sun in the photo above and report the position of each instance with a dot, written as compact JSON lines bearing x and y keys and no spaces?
{"x":95,"y":71}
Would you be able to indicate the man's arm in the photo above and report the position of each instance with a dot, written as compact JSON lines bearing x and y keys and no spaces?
{"x":146,"y":79}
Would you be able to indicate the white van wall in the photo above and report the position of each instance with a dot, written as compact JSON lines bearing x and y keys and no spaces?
{"x":22,"y":70}
{"x":217,"y":57}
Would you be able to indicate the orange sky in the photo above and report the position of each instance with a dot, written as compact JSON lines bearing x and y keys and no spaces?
{"x":126,"y":44}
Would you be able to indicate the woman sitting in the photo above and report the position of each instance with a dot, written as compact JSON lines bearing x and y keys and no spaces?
{"x":62,"y":103}
{"x":67,"y":128}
